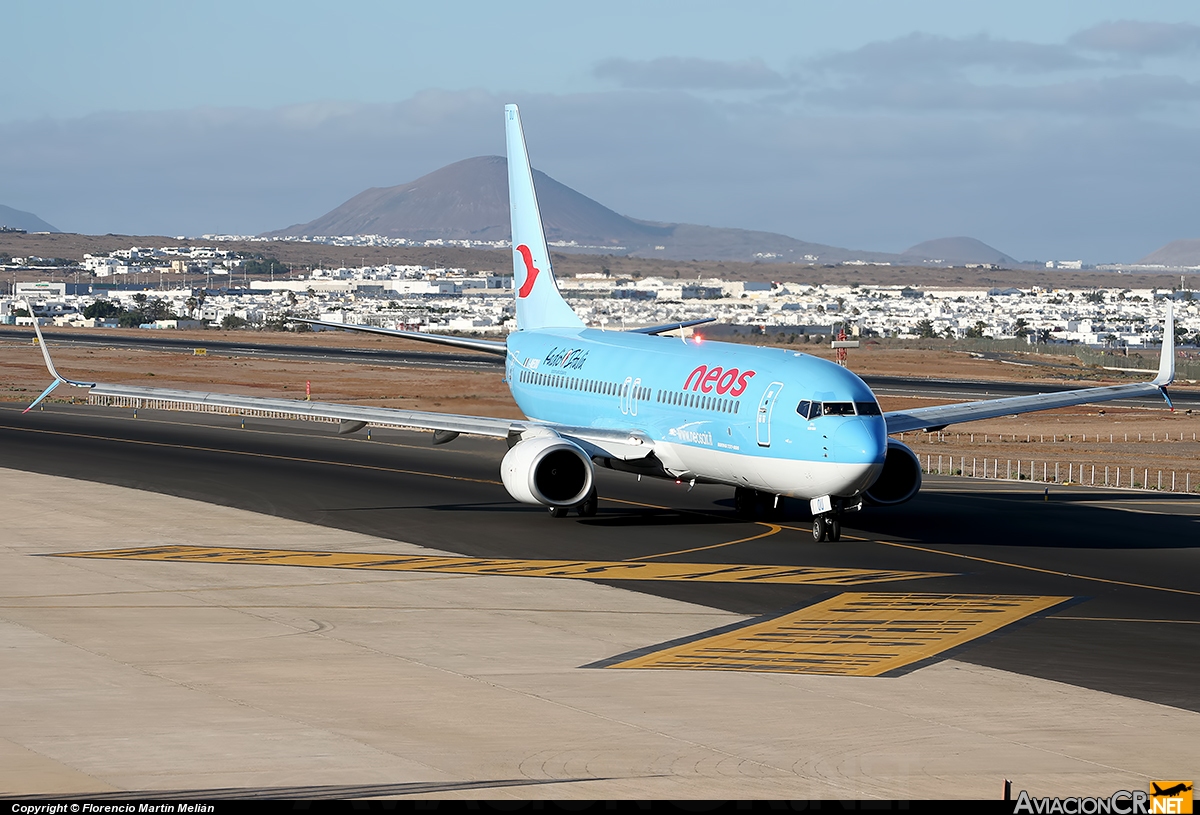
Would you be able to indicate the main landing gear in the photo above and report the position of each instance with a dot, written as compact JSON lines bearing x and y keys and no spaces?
{"x":751,"y":504}
{"x":586,"y":508}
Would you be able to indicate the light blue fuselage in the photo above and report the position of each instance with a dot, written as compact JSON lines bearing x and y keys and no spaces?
{"x":715,"y":411}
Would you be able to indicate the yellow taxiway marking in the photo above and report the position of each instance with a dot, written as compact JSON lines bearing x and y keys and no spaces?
{"x":771,"y":530}
{"x":1037,"y":569}
{"x":852,"y":634}
{"x":1122,"y":620}
{"x":591,"y":570}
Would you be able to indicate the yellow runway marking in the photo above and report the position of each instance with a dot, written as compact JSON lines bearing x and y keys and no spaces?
{"x":1036,"y":568}
{"x":1122,"y":620}
{"x":591,"y":570}
{"x":852,"y":634}
{"x":771,"y":530}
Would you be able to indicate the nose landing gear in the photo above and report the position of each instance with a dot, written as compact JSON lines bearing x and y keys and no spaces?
{"x":827,"y":527}
{"x":827,"y":516}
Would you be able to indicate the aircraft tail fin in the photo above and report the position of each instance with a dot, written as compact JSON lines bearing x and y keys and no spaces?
{"x":539,"y":302}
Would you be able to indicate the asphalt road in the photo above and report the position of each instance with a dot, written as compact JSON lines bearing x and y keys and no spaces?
{"x":1129,"y":559}
{"x":162,"y":341}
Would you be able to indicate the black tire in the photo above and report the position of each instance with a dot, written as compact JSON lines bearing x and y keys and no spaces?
{"x":820,"y":529}
{"x":589,"y":506}
{"x":835,"y":529}
{"x":558,"y":512}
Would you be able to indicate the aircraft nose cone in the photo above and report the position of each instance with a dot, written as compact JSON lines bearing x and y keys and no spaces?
{"x":859,"y":441}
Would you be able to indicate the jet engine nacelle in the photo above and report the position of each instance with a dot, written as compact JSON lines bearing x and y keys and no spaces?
{"x":547,"y":470}
{"x":900,"y":478}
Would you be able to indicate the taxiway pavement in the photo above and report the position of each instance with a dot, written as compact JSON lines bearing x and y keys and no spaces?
{"x":134,"y":674}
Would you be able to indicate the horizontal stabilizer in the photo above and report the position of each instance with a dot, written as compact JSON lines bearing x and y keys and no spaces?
{"x":470,"y":343}
{"x":665,"y":327}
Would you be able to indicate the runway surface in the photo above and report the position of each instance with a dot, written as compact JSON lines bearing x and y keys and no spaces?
{"x":1115,"y":571}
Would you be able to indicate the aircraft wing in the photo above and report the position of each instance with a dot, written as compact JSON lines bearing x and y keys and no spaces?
{"x":487,"y":346}
{"x":171,"y":399}
{"x":610,"y":443}
{"x":939,"y":416}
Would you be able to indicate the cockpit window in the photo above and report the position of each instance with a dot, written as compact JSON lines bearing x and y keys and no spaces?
{"x":809,"y":410}
{"x":837,"y":409}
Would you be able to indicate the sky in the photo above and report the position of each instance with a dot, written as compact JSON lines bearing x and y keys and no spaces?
{"x":1064,"y":130}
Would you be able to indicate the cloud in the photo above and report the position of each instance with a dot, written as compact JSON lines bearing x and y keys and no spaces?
{"x":928,"y":54}
{"x":867,"y":176}
{"x":1138,"y":38}
{"x":689,"y":73}
{"x":1125,"y":95}
{"x":1096,"y":73}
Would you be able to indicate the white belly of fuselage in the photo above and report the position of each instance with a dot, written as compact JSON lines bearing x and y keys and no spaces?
{"x":795,"y":478}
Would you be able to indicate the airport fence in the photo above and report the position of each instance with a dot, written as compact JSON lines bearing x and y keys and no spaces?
{"x":1115,"y":468}
{"x":1068,"y":473}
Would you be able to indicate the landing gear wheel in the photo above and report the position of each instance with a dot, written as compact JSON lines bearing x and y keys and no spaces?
{"x":820,"y":529}
{"x":827,"y":528}
{"x":558,"y":512}
{"x":589,"y":506}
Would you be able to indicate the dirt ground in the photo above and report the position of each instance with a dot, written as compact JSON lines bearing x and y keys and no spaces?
{"x":1147,"y":438}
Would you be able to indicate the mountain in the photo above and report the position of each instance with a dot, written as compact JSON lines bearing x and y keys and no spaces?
{"x":958,"y":251}
{"x":468,"y":200}
{"x":17,"y":219}
{"x":1176,"y":253}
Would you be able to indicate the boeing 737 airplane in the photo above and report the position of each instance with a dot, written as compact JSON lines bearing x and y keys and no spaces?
{"x":768,"y":422}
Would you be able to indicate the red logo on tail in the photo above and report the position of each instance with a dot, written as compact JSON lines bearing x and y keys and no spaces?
{"x":531,"y":271}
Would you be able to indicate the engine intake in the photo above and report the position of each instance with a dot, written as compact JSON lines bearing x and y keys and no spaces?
{"x":900,"y":478}
{"x":547,"y":470}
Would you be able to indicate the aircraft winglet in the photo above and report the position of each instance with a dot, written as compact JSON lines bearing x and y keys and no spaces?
{"x":58,"y":378}
{"x":1166,"y":362}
